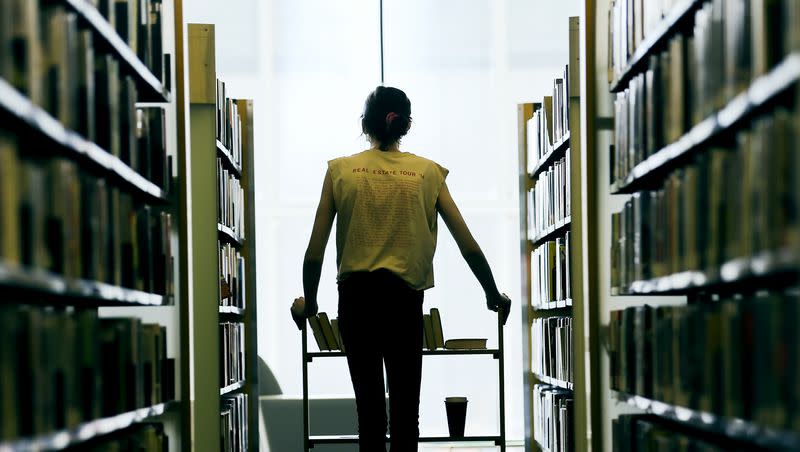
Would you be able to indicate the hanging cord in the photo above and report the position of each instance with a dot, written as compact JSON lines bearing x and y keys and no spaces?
{"x":382,"y":80}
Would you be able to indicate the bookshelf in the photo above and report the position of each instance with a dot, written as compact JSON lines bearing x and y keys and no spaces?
{"x":226,"y":364}
{"x":691,"y":247}
{"x":309,"y":440}
{"x":549,"y":140}
{"x":87,"y":243}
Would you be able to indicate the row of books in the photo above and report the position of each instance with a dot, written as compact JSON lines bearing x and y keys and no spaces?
{"x":736,"y":357}
{"x":696,"y":76}
{"x":139,"y":23}
{"x":630,"y":22}
{"x":232,"y":275}
{"x":63,"y":368}
{"x":646,"y":433}
{"x":552,"y":347}
{"x":550,"y":272}
{"x":550,"y":122}
{"x":728,"y":204}
{"x":549,"y":199}
{"x":233,"y":423}
{"x":49,"y":58}
{"x":553,"y":415}
{"x":561,"y":106}
{"x":148,"y":437}
{"x":230,"y":210}
{"x":232,"y":353}
{"x":60,"y":219}
{"x":735,"y":38}
{"x":229,"y":124}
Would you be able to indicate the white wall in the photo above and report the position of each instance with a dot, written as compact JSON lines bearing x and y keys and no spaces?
{"x":465,"y":64}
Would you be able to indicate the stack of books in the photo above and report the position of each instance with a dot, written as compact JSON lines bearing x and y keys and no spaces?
{"x":549,"y":200}
{"x":553,"y":415}
{"x":550,"y":270}
{"x":233,"y":423}
{"x":232,"y":353}
{"x":552,"y":348}
{"x":736,"y":357}
{"x":77,"y":367}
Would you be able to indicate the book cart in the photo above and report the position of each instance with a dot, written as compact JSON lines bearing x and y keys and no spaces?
{"x":496,"y":353}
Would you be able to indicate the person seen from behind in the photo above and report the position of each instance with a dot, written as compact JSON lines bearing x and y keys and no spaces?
{"x":386,"y":204}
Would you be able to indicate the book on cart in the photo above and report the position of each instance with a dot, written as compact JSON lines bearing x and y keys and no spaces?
{"x":327,"y":331}
{"x":465,"y":344}
{"x":322,"y":329}
{"x":427,"y":327}
{"x":337,"y":333}
{"x":436,"y":324}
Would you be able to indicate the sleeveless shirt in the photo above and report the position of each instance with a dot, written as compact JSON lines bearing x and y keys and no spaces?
{"x":386,"y":214}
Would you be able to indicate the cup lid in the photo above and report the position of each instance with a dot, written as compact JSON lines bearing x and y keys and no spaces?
{"x":455,"y":399}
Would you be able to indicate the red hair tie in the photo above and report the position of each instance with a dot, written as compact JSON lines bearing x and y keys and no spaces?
{"x":390,"y":117}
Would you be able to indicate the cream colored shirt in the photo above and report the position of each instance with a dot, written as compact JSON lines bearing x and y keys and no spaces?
{"x":386,"y":214}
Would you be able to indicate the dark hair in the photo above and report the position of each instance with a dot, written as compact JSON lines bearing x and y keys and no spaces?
{"x":387,"y":116}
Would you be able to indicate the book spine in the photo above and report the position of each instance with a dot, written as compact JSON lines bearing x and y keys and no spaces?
{"x":430,"y":341}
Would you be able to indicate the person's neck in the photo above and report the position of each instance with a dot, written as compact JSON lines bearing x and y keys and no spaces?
{"x":392,"y":148}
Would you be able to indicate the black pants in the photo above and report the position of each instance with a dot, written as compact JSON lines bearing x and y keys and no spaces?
{"x":380,"y":319}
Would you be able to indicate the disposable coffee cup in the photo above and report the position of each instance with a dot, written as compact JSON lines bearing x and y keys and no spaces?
{"x":456,"y":415}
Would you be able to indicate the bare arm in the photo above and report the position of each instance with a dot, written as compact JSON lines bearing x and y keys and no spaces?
{"x":469,"y":248}
{"x":312,"y":263}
